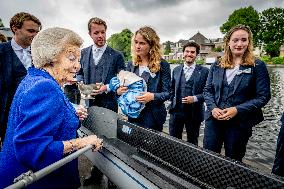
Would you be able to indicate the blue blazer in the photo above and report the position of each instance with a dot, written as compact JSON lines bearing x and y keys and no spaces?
{"x":41,"y":117}
{"x":11,"y":73}
{"x":160,"y":86}
{"x":112,"y":62}
{"x":251,"y":92}
{"x":199,"y":74}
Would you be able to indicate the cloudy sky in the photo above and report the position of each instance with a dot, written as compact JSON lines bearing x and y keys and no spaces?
{"x":172,"y":19}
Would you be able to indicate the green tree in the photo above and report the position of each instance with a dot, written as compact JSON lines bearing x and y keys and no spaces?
{"x":167,"y":48}
{"x":272,"y":30}
{"x":217,"y":49}
{"x":122,"y":42}
{"x":1,"y":23}
{"x":247,"y":16}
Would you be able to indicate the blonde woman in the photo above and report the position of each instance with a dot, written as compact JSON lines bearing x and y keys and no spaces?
{"x":42,"y":122}
{"x":147,"y":63}
{"x":237,"y":88}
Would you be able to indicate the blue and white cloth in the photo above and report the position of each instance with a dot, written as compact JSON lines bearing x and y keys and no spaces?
{"x":127,"y":101}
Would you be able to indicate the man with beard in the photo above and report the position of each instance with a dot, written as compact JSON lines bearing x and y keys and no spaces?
{"x":15,"y":58}
{"x":186,"y":95}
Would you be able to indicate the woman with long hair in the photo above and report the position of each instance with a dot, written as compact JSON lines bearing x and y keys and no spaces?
{"x":147,"y":63}
{"x":237,"y":88}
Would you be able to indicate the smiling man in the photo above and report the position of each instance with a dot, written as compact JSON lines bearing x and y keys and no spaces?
{"x":187,"y":102}
{"x":15,"y":59}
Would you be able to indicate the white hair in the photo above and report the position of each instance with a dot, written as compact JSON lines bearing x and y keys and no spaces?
{"x":49,"y":43}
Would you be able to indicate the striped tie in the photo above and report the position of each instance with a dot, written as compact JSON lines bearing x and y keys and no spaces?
{"x":96,"y":55}
{"x":186,"y":71}
{"x":27,"y":60}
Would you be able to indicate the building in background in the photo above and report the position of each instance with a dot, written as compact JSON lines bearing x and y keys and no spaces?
{"x":206,"y":47}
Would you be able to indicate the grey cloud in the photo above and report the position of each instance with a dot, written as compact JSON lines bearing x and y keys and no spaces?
{"x":149,"y":5}
{"x":10,"y":8}
{"x":172,"y":19}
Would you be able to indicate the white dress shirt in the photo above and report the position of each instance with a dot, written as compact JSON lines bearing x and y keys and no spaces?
{"x":23,"y":54}
{"x":98,"y":52}
{"x":231,"y":73}
{"x":145,"y":69}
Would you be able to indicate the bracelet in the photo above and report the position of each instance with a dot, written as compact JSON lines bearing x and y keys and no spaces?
{"x":72,"y":146}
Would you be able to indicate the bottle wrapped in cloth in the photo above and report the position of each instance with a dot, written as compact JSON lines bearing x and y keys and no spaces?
{"x":127,"y":101}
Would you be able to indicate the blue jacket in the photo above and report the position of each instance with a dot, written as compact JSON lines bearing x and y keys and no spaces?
{"x":251,"y":92}
{"x":41,"y":117}
{"x":12,"y":72}
{"x":200,"y":74}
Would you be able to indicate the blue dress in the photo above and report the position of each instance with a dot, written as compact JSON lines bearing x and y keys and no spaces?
{"x":40,"y":118}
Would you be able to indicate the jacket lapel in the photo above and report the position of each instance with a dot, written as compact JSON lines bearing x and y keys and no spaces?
{"x":106,"y":63}
{"x":178,"y":78}
{"x":196,"y":77}
{"x":238,"y":79}
{"x":218,"y":86}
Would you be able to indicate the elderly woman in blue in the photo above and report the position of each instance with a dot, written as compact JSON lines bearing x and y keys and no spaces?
{"x":237,"y":88}
{"x":147,"y":63}
{"x":42,"y":122}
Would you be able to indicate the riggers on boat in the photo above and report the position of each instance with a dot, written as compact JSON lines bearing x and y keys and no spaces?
{"x":136,"y":158}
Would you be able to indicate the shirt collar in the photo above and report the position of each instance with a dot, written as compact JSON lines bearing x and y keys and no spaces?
{"x":186,"y":66}
{"x":17,"y":47}
{"x":103,"y":48}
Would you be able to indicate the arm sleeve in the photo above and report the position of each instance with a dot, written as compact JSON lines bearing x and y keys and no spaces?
{"x":41,"y":116}
{"x":209,"y":91}
{"x":262,"y":88}
{"x":165,"y":82}
{"x":172,"y":87}
{"x":200,"y":97}
{"x":120,"y":63}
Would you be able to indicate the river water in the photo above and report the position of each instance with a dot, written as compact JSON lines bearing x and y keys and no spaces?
{"x":262,"y":144}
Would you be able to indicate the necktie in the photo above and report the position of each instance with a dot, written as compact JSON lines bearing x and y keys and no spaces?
{"x":27,"y":60}
{"x":97,"y":55}
{"x":187,"y":73}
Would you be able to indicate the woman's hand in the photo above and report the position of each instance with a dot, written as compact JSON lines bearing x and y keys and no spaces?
{"x":216,"y":113}
{"x":96,"y":142}
{"x":76,"y":144}
{"x":228,"y":113}
{"x":145,"y":97}
{"x":121,"y":90}
{"x":81,"y":112}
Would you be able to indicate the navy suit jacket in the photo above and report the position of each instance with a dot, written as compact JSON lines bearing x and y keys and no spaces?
{"x":12,"y":72}
{"x":160,"y":86}
{"x":199,"y":75}
{"x":251,"y":92}
{"x":112,"y":62}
